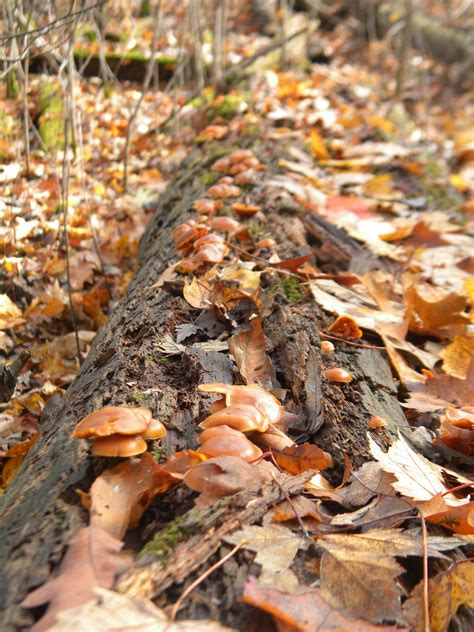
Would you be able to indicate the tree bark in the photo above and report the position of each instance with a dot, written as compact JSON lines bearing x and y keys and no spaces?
{"x":41,"y":510}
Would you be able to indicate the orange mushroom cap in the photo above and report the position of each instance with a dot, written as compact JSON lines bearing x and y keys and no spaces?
{"x":252,"y":395}
{"x":338,"y":375}
{"x":217,"y":431}
{"x":112,"y":420}
{"x":119,"y":445}
{"x":154,"y":430}
{"x":244,"y":418}
{"x":228,"y":444}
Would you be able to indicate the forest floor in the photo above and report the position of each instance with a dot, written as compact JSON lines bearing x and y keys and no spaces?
{"x":397,"y":175}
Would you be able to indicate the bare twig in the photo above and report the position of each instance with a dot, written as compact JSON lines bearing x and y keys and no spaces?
{"x":146,"y":83}
{"x":202,"y":577}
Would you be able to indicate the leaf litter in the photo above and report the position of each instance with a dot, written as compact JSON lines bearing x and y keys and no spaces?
{"x":422,"y":315}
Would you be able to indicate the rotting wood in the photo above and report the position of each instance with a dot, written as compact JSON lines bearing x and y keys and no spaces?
{"x":208,"y":526}
{"x":40,"y":508}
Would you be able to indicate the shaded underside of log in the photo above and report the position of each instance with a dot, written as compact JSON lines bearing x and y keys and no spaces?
{"x":40,"y":510}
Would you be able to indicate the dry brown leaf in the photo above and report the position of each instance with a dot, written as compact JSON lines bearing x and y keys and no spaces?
{"x":276,"y":548}
{"x":358,"y":575}
{"x":299,"y":458}
{"x":447,"y":592}
{"x":440,"y":392}
{"x":91,"y":560}
{"x":306,"y":611}
{"x":112,"y":611}
{"x":224,"y":476}
{"x":120,"y":495}
{"x":417,"y":477}
{"x":458,"y":519}
{"x":457,"y":356}
{"x":430,"y":309}
{"x":10,"y":314}
{"x":248,"y":349}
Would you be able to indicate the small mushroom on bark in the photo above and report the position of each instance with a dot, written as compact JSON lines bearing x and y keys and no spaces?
{"x":154,"y":430}
{"x":338,"y":375}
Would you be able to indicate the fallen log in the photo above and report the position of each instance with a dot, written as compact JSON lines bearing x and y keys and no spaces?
{"x":126,"y":365}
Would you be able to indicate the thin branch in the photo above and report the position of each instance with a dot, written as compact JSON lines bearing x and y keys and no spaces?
{"x":202,"y":577}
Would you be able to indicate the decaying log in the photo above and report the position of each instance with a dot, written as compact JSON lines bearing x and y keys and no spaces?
{"x":40,"y":509}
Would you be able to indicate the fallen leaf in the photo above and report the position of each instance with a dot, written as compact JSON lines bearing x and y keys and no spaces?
{"x":358,"y":575}
{"x":440,"y":392}
{"x":458,"y":519}
{"x":457,"y":356}
{"x":306,"y":611}
{"x":292,"y":264}
{"x":317,"y":145}
{"x":417,"y":478}
{"x":109,"y":610}
{"x":446,"y":593}
{"x":276,"y":548}
{"x":10,"y":314}
{"x":248,"y":349}
{"x":224,"y":476}
{"x":120,"y":495}
{"x":430,"y":309}
{"x":299,"y":458}
{"x":91,"y":560}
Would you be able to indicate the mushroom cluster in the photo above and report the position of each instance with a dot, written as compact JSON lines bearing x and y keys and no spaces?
{"x":241,"y":409}
{"x":119,"y":431}
{"x":241,"y":164}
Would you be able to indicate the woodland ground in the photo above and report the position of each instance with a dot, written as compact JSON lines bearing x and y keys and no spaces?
{"x":365,"y":211}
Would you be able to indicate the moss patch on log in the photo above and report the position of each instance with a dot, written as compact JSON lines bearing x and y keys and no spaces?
{"x":51,"y":118}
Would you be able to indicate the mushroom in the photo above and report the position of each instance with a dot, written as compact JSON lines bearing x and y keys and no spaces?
{"x":338,"y":375}
{"x":377,"y":422}
{"x":252,"y":395}
{"x":243,"y":417}
{"x":119,"y":445}
{"x":246,"y":210}
{"x":112,"y":420}
{"x":154,"y":430}
{"x":216,"y":431}
{"x":230,"y":442}
{"x":327,"y":347}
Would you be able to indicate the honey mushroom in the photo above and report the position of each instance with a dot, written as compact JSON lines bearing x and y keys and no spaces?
{"x":119,"y":431}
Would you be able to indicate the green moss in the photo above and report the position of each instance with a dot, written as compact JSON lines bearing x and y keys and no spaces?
{"x":164,"y":542}
{"x":158,"y":452}
{"x":138,"y":397}
{"x":51,"y":119}
{"x":209,"y":178}
{"x":230,"y":105}
{"x":13,"y":88}
{"x":290,"y":288}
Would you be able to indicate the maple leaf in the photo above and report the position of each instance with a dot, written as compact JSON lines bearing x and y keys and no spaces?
{"x":446,"y":592}
{"x":457,"y":356}
{"x":416,"y":477}
{"x":306,"y":611}
{"x":431,"y":309}
{"x":91,"y":560}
